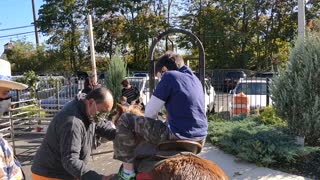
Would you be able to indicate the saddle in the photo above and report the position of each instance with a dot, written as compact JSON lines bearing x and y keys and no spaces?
{"x":148,"y":156}
{"x":181,"y":145}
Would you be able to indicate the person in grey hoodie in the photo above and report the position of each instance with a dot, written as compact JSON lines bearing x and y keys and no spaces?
{"x":67,"y":145}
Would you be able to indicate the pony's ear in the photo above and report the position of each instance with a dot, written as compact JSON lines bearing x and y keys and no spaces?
{"x":135,"y":109}
{"x":121,"y":109}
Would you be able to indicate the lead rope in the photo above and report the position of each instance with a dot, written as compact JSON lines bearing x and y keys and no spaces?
{"x":93,"y":146}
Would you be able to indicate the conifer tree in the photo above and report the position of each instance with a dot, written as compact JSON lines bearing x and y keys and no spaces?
{"x":296,"y":92}
{"x":116,"y":72}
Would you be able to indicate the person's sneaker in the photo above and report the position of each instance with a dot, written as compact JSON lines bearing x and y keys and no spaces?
{"x":122,"y":176}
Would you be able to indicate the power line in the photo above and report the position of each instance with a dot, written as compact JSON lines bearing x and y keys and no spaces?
{"x":15,"y":28}
{"x":10,"y":38}
{"x":17,"y":34}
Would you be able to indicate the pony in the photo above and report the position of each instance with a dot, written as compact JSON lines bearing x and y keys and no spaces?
{"x":186,"y":166}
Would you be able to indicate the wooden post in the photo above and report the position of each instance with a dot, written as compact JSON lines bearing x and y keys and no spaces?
{"x":92,"y":51}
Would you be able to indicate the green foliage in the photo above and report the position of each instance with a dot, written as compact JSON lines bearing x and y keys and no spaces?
{"x":115,"y":74}
{"x":236,"y":34}
{"x":239,"y":117}
{"x":61,"y":21}
{"x":296,"y":93}
{"x":253,"y":141}
{"x":33,"y":110}
{"x":269,"y":116}
{"x":31,"y":78}
{"x":25,"y":57}
{"x":215,"y":118}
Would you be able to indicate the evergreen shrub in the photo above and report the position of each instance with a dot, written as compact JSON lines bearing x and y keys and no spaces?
{"x":254,"y":141}
{"x":269,"y":116}
{"x":296,"y":92}
{"x":116,"y":73}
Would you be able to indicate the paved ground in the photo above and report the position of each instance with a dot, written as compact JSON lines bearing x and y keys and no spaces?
{"x":103,"y":162}
{"x":240,"y":170}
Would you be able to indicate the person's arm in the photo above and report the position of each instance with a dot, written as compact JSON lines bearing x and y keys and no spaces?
{"x":159,"y":97}
{"x":106,"y":130}
{"x":136,"y":96}
{"x":8,"y":161}
{"x":137,"y":92}
{"x":153,"y":107}
{"x":70,"y":146}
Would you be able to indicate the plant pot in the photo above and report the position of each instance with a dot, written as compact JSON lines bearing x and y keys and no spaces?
{"x":39,"y":129}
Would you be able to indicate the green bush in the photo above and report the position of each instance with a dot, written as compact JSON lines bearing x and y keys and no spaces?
{"x":254,"y":141}
{"x":269,"y":116}
{"x":296,"y":92}
{"x":239,"y":117}
{"x":31,"y":78}
{"x":215,"y":118}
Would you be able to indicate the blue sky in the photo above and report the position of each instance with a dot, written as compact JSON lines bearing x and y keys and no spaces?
{"x":17,"y":13}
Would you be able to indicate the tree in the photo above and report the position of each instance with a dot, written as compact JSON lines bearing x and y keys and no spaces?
{"x":63,"y":21}
{"x":115,"y":75}
{"x":295,"y":93}
{"x":128,"y":26}
{"x":241,"y":33}
{"x":25,"y":57}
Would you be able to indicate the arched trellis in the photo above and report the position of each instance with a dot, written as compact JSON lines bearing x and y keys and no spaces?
{"x":166,"y":33}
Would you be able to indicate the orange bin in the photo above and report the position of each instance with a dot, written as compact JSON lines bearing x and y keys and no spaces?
{"x":241,"y":104}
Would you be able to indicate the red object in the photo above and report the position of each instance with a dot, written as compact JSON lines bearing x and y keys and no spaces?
{"x":39,"y":129}
{"x":143,"y":176}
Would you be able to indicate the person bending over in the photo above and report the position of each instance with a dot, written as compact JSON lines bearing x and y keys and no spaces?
{"x":66,"y":148}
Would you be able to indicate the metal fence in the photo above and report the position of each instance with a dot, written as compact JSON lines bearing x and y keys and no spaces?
{"x":31,"y":112}
{"x":25,"y":117}
{"x":256,"y":92}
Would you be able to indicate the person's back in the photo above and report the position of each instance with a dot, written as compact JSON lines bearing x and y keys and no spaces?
{"x":184,"y":101}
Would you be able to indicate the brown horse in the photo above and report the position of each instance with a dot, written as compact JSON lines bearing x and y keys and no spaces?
{"x":182,"y":166}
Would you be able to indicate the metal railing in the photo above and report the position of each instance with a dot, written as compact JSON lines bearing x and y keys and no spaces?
{"x":25,"y":118}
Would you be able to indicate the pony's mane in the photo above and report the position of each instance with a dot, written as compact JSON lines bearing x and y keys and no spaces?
{"x":132,"y":109}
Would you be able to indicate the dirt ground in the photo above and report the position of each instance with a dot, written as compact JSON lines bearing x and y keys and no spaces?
{"x":101,"y":161}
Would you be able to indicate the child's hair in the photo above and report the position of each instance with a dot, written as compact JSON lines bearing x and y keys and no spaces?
{"x":125,"y":83}
{"x":123,"y":98}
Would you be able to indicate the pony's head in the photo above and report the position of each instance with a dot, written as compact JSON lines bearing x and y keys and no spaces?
{"x":132,"y":109}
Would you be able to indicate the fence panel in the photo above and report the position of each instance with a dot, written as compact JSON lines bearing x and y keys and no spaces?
{"x":256,"y":88}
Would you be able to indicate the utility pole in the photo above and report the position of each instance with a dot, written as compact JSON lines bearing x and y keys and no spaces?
{"x":301,"y":19}
{"x":35,"y":23}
